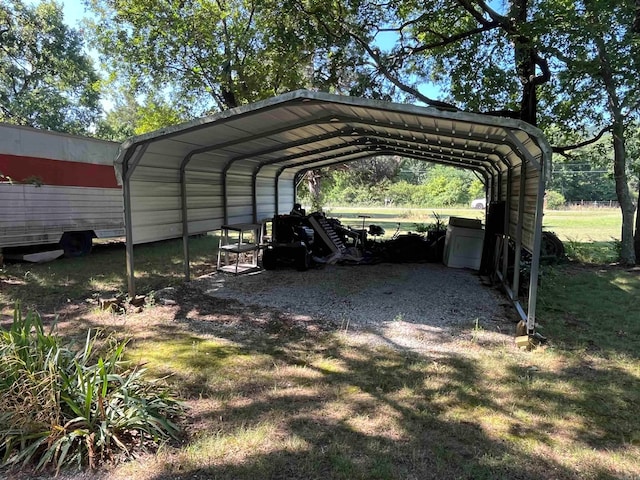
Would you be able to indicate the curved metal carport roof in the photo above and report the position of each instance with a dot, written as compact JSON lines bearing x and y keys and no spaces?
{"x":243,"y":165}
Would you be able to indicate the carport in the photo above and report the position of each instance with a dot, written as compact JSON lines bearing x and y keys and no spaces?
{"x":243,"y":165}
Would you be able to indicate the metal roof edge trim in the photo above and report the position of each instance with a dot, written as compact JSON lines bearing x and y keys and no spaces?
{"x":418,"y":110}
{"x":203,"y":121}
{"x":29,"y":128}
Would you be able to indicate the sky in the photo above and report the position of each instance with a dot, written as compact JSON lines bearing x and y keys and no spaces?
{"x":75,"y":11}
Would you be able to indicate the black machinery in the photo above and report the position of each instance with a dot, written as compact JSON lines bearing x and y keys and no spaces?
{"x":291,"y":242}
{"x":300,"y":240}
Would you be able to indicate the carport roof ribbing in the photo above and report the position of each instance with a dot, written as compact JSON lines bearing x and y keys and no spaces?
{"x":256,"y":152}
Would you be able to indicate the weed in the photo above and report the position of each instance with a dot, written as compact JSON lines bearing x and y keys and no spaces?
{"x":344,"y":323}
{"x":477,"y":330}
{"x":270,"y":404}
{"x":40,"y":286}
{"x":60,"y":408}
{"x":592,"y":252}
{"x":617,"y":247}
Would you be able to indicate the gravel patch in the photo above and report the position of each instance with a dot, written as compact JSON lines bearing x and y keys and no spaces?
{"x":411,"y":306}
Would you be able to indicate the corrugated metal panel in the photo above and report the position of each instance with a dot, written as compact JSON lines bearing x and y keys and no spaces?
{"x":265,"y":194}
{"x":200,"y":214}
{"x":212,"y":161}
{"x":33,"y":215}
{"x":154,"y":233}
{"x":245,"y":201}
{"x":286,"y":192}
{"x":204,"y":226}
{"x":303,"y":130}
{"x":215,"y":180}
{"x":155,"y":207}
{"x":30,"y":142}
{"x":198,"y":203}
{"x":238,"y":216}
{"x":154,"y":203}
{"x":156,"y":175}
{"x":156,"y":225}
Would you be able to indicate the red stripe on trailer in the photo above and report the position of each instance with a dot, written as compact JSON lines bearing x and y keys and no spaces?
{"x":57,"y":172}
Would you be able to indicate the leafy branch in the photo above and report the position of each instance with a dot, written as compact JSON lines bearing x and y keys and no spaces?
{"x":566,"y":148}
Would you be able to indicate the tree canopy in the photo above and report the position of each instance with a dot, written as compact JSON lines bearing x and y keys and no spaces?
{"x":213,"y":55}
{"x":561,"y":65}
{"x":597,"y":46}
{"x":552,"y":63}
{"x":46,"y":78}
{"x":129,"y":117}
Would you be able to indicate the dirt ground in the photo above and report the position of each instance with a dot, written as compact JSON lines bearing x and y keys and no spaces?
{"x":419,"y":307}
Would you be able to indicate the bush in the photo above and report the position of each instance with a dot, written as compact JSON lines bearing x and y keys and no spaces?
{"x":59,"y":408}
{"x":446,"y":191}
{"x":554,"y":200}
{"x":420,"y":196}
{"x":400,"y":193}
{"x":476,"y":189}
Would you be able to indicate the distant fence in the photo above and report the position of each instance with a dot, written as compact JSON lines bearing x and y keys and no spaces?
{"x":593,"y":204}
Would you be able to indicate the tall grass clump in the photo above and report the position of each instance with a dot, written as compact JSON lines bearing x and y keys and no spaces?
{"x":60,"y":408}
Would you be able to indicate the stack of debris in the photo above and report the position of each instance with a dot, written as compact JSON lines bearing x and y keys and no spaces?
{"x":302,"y":240}
{"x":119,"y":304}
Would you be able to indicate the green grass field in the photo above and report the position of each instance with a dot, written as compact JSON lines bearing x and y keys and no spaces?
{"x":586,"y":225}
{"x":594,"y":225}
{"x":589,"y":235}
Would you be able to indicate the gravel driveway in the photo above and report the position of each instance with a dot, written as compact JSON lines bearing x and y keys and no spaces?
{"x":412,"y":306}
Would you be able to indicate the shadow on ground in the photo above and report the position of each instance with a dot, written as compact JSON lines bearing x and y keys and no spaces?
{"x":280,"y":396}
{"x":345,"y":412}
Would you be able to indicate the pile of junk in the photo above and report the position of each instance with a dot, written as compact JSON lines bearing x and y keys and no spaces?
{"x":301,"y":241}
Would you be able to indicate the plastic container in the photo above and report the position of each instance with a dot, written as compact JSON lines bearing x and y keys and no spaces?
{"x":463,"y":243}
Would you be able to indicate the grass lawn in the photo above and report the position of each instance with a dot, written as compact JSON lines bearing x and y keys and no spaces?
{"x":579,"y":225}
{"x":53,"y":286}
{"x":589,"y":234}
{"x":407,"y":218}
{"x":587,"y":225}
{"x":271,"y":397}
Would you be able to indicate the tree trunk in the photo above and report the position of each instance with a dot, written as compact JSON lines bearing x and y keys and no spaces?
{"x":313,"y":182}
{"x":636,"y":242}
{"x":525,"y":65}
{"x":627,"y":251}
{"x":527,"y":59}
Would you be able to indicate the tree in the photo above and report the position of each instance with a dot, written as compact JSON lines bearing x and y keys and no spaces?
{"x":374,"y":170}
{"x":485,"y":59}
{"x":130,"y":117}
{"x":547,"y":62}
{"x":211,"y":55}
{"x":596,"y":47}
{"x":46,"y":79}
{"x":119,"y":123}
{"x":577,"y":62}
{"x":633,"y":150}
{"x":584,"y":173}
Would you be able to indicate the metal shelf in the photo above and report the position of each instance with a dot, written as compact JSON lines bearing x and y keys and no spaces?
{"x":239,"y":248}
{"x":233,"y":244}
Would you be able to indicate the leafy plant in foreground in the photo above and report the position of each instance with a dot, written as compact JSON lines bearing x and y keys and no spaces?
{"x":59,"y":407}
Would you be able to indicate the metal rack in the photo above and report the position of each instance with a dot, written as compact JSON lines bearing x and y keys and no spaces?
{"x":239,"y":246}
